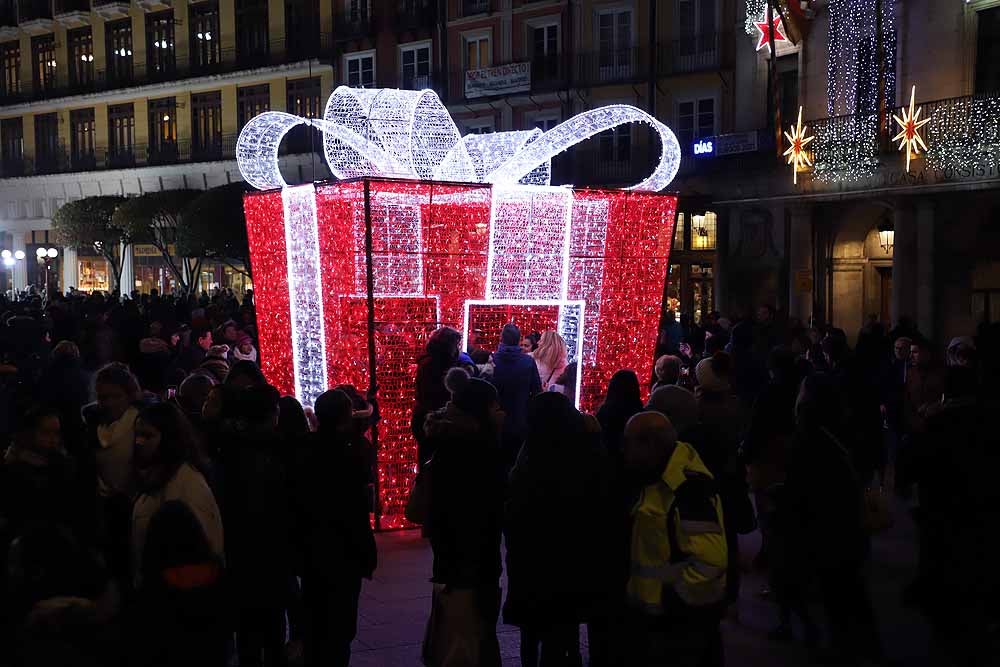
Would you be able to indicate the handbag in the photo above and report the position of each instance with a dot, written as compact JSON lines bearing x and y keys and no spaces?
{"x":456,"y":635}
{"x":418,"y":504}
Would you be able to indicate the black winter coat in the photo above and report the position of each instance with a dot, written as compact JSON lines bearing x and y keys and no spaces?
{"x":466,"y":500}
{"x":332,"y":531}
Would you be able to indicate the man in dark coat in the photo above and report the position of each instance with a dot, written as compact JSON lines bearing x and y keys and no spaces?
{"x":332,"y":531}
{"x":516,"y":379}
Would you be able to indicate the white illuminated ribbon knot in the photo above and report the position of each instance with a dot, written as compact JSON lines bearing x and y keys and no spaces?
{"x":409,"y":134}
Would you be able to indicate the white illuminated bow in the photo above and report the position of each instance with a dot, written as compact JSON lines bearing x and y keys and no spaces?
{"x":409,"y":134}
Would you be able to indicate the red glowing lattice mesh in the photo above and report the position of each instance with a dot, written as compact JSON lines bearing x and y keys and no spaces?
{"x":430,"y":248}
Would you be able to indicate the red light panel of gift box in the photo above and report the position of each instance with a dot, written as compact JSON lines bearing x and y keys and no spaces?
{"x":588,"y":263}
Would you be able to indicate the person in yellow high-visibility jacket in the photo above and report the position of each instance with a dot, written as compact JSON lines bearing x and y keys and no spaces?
{"x":677,"y":583}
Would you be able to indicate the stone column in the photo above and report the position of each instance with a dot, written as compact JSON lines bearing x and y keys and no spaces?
{"x":904,"y":264}
{"x":925,"y":295}
{"x":801,"y":287}
{"x":70,"y":269}
{"x":20,"y":266}
{"x":127,"y":283}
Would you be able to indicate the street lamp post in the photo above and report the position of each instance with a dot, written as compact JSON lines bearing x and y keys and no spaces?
{"x":44,"y":255}
{"x":10,"y":259}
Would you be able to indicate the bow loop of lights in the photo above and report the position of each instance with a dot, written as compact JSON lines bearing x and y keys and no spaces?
{"x":386,"y":256}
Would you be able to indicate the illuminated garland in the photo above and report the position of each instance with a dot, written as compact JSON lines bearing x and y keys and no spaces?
{"x":963,"y":132}
{"x":846,"y":148}
{"x":755,"y":9}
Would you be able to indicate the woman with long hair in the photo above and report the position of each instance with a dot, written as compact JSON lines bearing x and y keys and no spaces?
{"x":430,"y":394}
{"x":168,"y":467}
{"x":550,"y":357}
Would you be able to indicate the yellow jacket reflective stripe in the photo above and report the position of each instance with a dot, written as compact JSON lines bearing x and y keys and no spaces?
{"x":697,"y":574}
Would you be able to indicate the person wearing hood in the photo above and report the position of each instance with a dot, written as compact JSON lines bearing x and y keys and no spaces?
{"x":332,"y":531}
{"x":465,"y":513}
{"x":515,"y":376}
{"x":677,"y":584}
{"x":717,"y":402}
{"x":430,"y":394}
{"x":557,"y":571}
{"x":216,"y":362}
{"x":256,"y":508}
{"x":156,"y":355}
{"x":244,"y":349}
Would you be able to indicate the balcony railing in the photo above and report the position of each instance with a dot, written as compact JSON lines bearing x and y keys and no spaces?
{"x":471,"y":7}
{"x":32,"y":10}
{"x":415,"y":14}
{"x":353,"y":25}
{"x":279,"y":52}
{"x":854,"y":146}
{"x":68,"y":6}
{"x":696,"y":53}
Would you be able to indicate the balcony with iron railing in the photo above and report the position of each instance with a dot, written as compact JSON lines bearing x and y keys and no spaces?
{"x":29,"y":11}
{"x":415,"y":14}
{"x":696,"y":53}
{"x":354,"y":24}
{"x":133,"y":72}
{"x":473,"y":7}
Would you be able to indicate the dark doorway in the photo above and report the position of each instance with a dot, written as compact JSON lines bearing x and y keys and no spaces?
{"x":885,"y":293}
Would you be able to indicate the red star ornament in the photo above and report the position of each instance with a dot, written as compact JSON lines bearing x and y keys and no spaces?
{"x":765,"y":32}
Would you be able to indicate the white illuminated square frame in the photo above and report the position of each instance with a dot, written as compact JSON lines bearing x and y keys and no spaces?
{"x":566,"y":315}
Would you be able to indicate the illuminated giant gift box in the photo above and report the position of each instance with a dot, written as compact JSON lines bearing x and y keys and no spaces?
{"x":351,"y":277}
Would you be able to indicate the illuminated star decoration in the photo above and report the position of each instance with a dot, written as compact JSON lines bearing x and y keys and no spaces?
{"x":764,"y":28}
{"x":796,"y":152}
{"x":910,"y":125}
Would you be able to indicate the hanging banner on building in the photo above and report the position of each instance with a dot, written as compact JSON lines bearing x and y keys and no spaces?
{"x":500,"y":80}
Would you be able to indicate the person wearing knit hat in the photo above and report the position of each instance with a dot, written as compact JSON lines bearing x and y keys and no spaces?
{"x":464,"y":519}
{"x":713,"y":373}
{"x":244,"y":349}
{"x":216,"y":362}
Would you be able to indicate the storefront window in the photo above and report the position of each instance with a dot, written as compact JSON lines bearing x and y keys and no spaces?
{"x":93,"y":275}
{"x":679,"y":233}
{"x":702,"y":290}
{"x":703,"y":231}
{"x":674,"y":288}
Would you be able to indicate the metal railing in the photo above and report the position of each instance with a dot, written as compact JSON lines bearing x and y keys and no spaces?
{"x":353,"y":25}
{"x":136,"y":73}
{"x":470,"y":7}
{"x":66,"y":6}
{"x":696,"y":53}
{"x":30,"y":10}
{"x":415,"y":14}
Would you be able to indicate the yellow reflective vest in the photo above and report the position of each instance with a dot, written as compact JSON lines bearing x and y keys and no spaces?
{"x":678,"y":537}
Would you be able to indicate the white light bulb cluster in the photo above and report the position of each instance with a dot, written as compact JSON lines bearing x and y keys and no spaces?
{"x":755,"y":9}
{"x":87,"y":57}
{"x":963,"y":132}
{"x":123,"y":52}
{"x":206,"y":36}
{"x":409,"y":134}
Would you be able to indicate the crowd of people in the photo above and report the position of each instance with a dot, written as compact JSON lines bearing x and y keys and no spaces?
{"x":162,"y":504}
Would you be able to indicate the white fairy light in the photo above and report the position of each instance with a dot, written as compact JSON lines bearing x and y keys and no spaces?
{"x":409,"y":134}
{"x":304,"y":291}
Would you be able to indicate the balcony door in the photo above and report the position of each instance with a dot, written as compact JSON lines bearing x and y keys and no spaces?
{"x":697,"y":41}
{"x":988,"y":51}
{"x":615,"y":40}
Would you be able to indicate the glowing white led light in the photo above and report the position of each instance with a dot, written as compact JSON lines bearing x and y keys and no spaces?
{"x":409,"y":134}
{"x":305,"y":292}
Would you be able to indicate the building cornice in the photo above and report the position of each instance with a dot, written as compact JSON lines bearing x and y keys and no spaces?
{"x":166,"y":88}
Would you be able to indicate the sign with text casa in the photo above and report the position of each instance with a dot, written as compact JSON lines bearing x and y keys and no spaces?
{"x":500,"y":80}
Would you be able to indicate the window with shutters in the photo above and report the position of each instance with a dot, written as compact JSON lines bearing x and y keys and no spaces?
{"x":81,"y":56}
{"x":121,"y":135}
{"x":46,"y":142}
{"x":10,"y":52}
{"x":303,"y":100}
{"x":205,"y":43}
{"x":160,"y":52}
{"x":12,"y":146}
{"x":415,"y":65}
{"x":162,"y":130}
{"x":360,"y":68}
{"x":118,"y":35}
{"x":82,"y":131}
{"x":252,"y":101}
{"x":251,"y":30}
{"x":206,"y":126}
{"x":43,"y":60}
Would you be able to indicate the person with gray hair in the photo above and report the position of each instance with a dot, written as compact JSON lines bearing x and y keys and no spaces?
{"x":677,"y":584}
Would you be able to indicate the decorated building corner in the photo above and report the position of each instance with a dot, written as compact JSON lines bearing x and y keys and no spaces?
{"x":428,"y":228}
